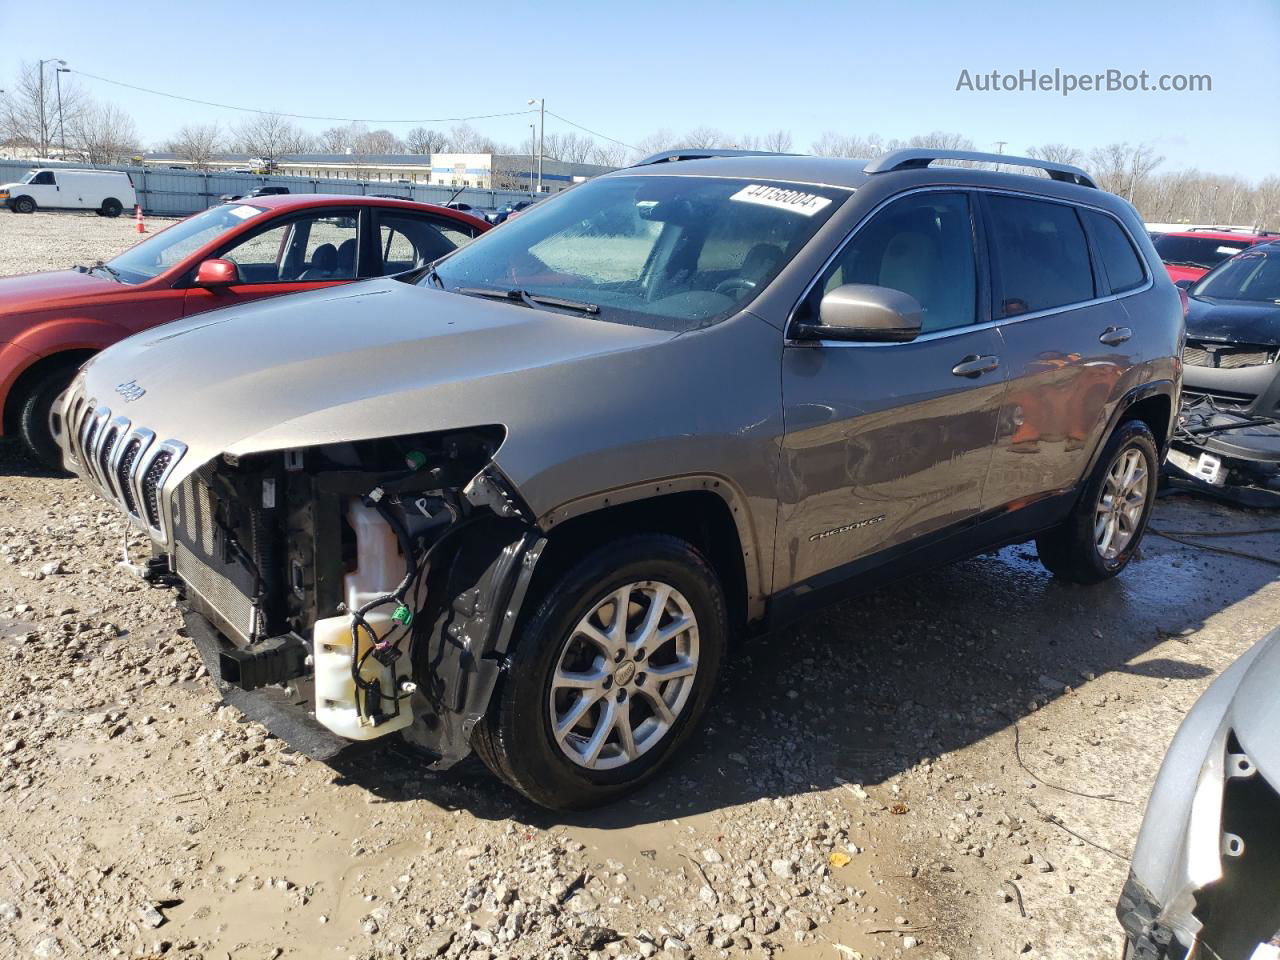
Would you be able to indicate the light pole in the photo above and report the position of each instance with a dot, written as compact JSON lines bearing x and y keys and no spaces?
{"x":44,"y":138}
{"x":542,"y":127}
{"x":533,"y":145}
{"x":1000,"y":150}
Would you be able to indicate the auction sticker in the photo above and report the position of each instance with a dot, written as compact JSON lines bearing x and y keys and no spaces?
{"x":782,"y":198}
{"x":244,"y":212}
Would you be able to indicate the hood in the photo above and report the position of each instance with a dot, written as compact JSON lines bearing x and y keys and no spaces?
{"x":369,"y":359}
{"x":41,"y":290}
{"x":1234,"y":321}
{"x":1255,"y":710}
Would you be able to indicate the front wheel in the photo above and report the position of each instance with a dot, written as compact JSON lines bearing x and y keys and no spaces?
{"x":1104,"y":529}
{"x":609,"y":676}
{"x":33,"y":416}
{"x":24,"y":205}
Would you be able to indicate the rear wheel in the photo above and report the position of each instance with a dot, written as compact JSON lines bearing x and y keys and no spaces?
{"x":24,"y":205}
{"x":33,"y":416}
{"x":1100,"y":537}
{"x":609,"y":676}
{"x":111,"y":207}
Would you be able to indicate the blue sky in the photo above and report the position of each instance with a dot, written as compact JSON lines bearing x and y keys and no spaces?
{"x":746,"y":67}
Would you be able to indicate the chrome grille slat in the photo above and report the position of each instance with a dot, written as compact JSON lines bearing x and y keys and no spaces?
{"x":125,"y":463}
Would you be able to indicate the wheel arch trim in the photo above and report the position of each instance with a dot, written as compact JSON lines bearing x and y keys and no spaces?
{"x":733,"y":498}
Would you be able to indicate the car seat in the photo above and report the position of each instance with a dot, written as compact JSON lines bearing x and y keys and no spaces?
{"x":323,"y":262}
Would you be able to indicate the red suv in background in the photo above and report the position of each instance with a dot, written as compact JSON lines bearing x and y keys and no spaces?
{"x":1190,"y":254}
{"x":50,"y":323}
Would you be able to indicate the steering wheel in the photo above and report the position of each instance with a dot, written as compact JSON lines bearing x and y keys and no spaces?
{"x":734,"y":287}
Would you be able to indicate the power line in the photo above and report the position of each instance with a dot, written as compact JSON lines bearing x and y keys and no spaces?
{"x":305,"y":116}
{"x":593,"y":132}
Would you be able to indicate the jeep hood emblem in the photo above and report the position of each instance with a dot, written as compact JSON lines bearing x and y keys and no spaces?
{"x":130,"y":390}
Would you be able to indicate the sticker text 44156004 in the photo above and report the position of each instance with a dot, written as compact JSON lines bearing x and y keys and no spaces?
{"x":782,"y":198}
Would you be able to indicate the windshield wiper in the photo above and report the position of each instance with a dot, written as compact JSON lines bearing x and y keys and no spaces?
{"x":529,"y":299}
{"x":1188,"y":263}
{"x":542,"y":299}
{"x":115,"y":274}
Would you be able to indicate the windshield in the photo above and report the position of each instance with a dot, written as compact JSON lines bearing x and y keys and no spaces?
{"x":157,"y":254}
{"x":1250,"y":276}
{"x":28,"y":177}
{"x":672,"y":252}
{"x":1204,"y":252}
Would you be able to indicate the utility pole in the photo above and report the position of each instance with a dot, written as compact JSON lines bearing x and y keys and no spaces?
{"x":44,"y":128}
{"x":542,"y":128}
{"x":1000,"y":150}
{"x":533,"y":145}
{"x":62,"y":132}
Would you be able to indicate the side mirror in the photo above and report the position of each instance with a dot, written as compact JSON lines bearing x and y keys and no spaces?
{"x":1184,"y":284}
{"x":217,"y":273}
{"x":862,"y":312}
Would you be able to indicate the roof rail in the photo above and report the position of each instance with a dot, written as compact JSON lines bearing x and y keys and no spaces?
{"x":918,"y":158}
{"x":700,"y":153}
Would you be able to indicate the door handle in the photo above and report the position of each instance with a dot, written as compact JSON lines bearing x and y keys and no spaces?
{"x":975,"y":366}
{"x":1115,"y":335}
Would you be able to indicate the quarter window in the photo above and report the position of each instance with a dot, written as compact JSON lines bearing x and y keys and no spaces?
{"x":1041,"y":257}
{"x":923,"y":246}
{"x":1124,"y":269}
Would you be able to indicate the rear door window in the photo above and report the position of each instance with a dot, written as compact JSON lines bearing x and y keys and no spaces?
{"x":408,"y":240}
{"x":1115,"y":250}
{"x":1040,"y":258}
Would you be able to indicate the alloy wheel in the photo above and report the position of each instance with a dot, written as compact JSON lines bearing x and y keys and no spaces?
{"x":1120,"y":504}
{"x":624,"y":675}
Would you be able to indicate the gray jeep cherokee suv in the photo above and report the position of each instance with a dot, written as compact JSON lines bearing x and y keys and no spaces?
{"x":517,"y":501}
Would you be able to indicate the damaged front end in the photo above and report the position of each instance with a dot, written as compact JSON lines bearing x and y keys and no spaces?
{"x":1226,"y":443}
{"x":339,"y":592}
{"x":1206,"y":868}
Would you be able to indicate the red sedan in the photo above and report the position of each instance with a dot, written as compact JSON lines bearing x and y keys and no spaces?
{"x":50,"y":323}
{"x":1190,"y":254}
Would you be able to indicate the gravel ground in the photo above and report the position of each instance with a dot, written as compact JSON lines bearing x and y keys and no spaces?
{"x":49,"y":241}
{"x":874,"y":783}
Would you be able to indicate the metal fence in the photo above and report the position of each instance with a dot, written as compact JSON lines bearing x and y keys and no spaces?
{"x":182,"y":192}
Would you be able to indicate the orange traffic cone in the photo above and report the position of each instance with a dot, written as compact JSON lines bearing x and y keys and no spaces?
{"x":137,"y":216}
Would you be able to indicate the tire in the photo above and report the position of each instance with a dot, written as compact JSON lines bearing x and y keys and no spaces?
{"x":111,"y":207}
{"x":23,"y":205}
{"x":1080,"y":549}
{"x":33,"y":416}
{"x":517,"y":737}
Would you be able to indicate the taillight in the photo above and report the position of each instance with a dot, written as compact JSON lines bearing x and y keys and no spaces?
{"x":1186,"y":302}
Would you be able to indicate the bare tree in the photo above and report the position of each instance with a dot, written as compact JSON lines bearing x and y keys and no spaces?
{"x":103,"y":133}
{"x":703,"y":138}
{"x":1124,"y":168}
{"x":269,"y":136}
{"x":425,"y":140}
{"x":610,"y":154}
{"x":1056,"y":153}
{"x":570,"y":147}
{"x":778,"y":141}
{"x":29,"y":114}
{"x":937,"y":140}
{"x":197,"y":143}
{"x":657,"y":141}
{"x":465,"y":138}
{"x":831,"y":144}
{"x":378,"y":141}
{"x":337,"y":139}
